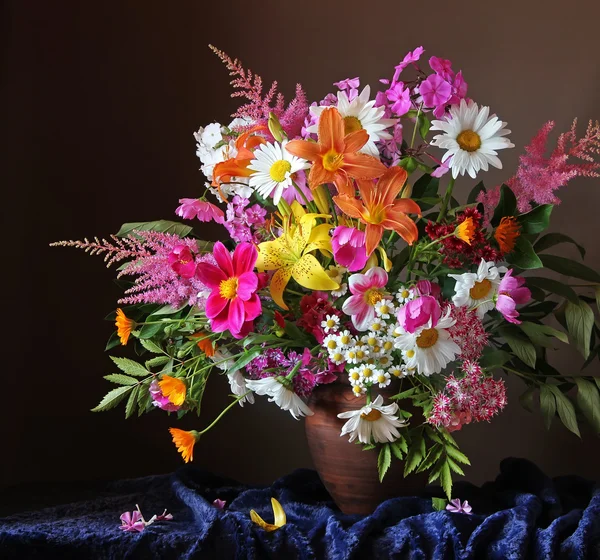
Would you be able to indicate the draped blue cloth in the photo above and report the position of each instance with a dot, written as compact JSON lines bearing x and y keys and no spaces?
{"x":522,"y":514}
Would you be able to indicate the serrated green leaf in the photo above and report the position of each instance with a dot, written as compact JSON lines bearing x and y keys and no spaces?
{"x":570,"y":268}
{"x":404,"y":394}
{"x":565,"y":409}
{"x":163,"y":226}
{"x":526,"y":399}
{"x":553,"y":286}
{"x":446,"y":479}
{"x":454,"y":466}
{"x":522,"y":347}
{"x":396,"y":450}
{"x":431,"y":458}
{"x":536,"y":220}
{"x":368,"y":447}
{"x":524,"y":256}
{"x":542,"y":334}
{"x":112,"y":398}
{"x":151,"y":346}
{"x":547,"y":405}
{"x":131,"y":402}
{"x":413,"y":460}
{"x":121,"y":379}
{"x":457,"y":455}
{"x":446,"y":435}
{"x":130,"y":367}
{"x":551,"y":239}
{"x":580,"y":321}
{"x":383,"y":461}
{"x":158,"y":361}
{"x":439,"y":504}
{"x":588,"y":401}
{"x":435,"y":473}
{"x":144,"y":399}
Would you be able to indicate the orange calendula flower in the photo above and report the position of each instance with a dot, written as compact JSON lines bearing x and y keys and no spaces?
{"x":507,"y":233}
{"x":205,"y":344}
{"x":335,"y":156}
{"x":185,"y":442}
{"x":173,"y":388}
{"x":465,"y":230}
{"x":124,"y":326}
{"x":379,"y":208}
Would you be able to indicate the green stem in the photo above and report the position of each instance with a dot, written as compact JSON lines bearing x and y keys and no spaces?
{"x":446,"y":200}
{"x":412,"y":140}
{"x":227,"y":409}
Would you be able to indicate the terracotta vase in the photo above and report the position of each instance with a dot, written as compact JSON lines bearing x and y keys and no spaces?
{"x":349,"y":473}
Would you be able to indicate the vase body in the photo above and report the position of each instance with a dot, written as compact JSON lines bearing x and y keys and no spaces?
{"x":349,"y":473}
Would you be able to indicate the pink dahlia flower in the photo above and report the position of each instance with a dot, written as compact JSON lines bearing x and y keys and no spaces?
{"x":232,"y":304}
{"x":182,"y":261}
{"x":349,"y":247}
{"x":510,"y":294}
{"x":419,"y":312}
{"x":367,"y":290}
{"x":195,"y":208}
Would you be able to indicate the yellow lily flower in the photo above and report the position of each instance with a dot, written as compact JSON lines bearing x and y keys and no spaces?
{"x":290,"y":254}
{"x":279,"y":520}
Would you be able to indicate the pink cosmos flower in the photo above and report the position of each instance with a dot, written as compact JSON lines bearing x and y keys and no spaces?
{"x":419,"y":312}
{"x":455,"y":506}
{"x":366,"y":289}
{"x":510,"y":294}
{"x":159,"y":400}
{"x":233,"y":303}
{"x":195,"y":208}
{"x":182,"y":261}
{"x":399,"y":96}
{"x":349,"y":250}
{"x":435,"y":91}
{"x":132,"y":522}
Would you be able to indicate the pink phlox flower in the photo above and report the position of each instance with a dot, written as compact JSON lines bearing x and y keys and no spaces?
{"x":424,"y":310}
{"x":366,"y":290}
{"x":349,"y":249}
{"x":132,"y":522}
{"x":233,"y":302}
{"x":511,"y":293}
{"x":456,"y":506}
{"x":159,"y":400}
{"x":244,"y":223}
{"x":350,"y":86}
{"x":442,"y":67}
{"x":203,"y":210}
{"x":410,"y":58}
{"x":291,"y":194}
{"x":219,"y":504}
{"x":442,"y":169}
{"x":435,"y":91}
{"x":399,"y":96}
{"x":182,"y":261}
{"x":468,"y":332}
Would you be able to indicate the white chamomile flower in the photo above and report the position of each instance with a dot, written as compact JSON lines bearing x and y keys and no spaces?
{"x":336,"y":273}
{"x":387,"y":344}
{"x":383,"y":379}
{"x":377,"y":326}
{"x":331,"y":323}
{"x":337,"y":357}
{"x":384,"y":309}
{"x":429,"y":349}
{"x":396,"y":371}
{"x":359,"y":114}
{"x":274,"y":167}
{"x":354,"y":376}
{"x":358,"y":389}
{"x":367,"y":373}
{"x":471,"y":137}
{"x":283,"y":397}
{"x":476,"y":290}
{"x":372,"y":423}
{"x":405,"y":294}
{"x":350,"y":355}
{"x":341,"y":292}
{"x":385,"y":360}
{"x":345,"y":339}
{"x":362,"y":353}
{"x":330,"y":343}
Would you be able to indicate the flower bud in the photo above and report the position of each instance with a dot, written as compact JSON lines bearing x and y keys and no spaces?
{"x":275,"y":127}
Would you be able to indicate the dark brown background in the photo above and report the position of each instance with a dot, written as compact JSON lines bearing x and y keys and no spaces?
{"x":102,"y":100}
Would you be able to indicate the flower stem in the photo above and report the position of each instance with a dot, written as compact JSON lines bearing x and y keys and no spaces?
{"x":412,"y":140}
{"x":227,"y":409}
{"x":446,"y":200}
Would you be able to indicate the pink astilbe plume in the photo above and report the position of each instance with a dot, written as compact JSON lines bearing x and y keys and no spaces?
{"x":250,"y":86}
{"x":538,"y":176}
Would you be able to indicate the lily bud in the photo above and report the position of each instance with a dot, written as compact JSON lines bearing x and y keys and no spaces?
{"x":275,"y":127}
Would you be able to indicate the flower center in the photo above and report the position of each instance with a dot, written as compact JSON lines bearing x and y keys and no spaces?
{"x":480,"y":289}
{"x":372,"y":296}
{"x":427,"y":338}
{"x":332,"y":161}
{"x":372,"y":416}
{"x":228,"y":288}
{"x":469,"y":141}
{"x":351,"y":124}
{"x":279,"y":170}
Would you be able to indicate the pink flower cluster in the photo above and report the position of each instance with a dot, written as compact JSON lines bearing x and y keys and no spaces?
{"x":468,"y":332}
{"x":244,"y":223}
{"x":470,"y":398}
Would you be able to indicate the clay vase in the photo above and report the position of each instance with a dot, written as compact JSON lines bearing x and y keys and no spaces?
{"x":349,"y":473}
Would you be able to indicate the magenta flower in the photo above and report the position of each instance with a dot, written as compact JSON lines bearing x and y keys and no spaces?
{"x":399,"y":96}
{"x":164,"y":516}
{"x":350,"y":85}
{"x":510,"y":294}
{"x":455,"y":506}
{"x":410,"y":58}
{"x":195,"y":208}
{"x":442,"y":169}
{"x":442,"y":66}
{"x":132,"y":522}
{"x":182,"y":261}
{"x":367,"y":290}
{"x":219,"y":504}
{"x":349,"y":248}
{"x":419,"y":312}
{"x":435,"y":91}
{"x":232,"y":303}
{"x":427,"y":288}
{"x":159,"y":400}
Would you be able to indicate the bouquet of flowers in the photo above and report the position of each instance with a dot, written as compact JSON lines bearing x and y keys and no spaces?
{"x":350,"y":260}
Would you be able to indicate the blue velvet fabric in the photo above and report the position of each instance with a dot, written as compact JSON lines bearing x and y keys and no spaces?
{"x":522,"y":514}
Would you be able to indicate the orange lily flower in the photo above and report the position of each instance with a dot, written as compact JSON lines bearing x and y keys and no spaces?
{"x":379,"y":209}
{"x":335,"y":156}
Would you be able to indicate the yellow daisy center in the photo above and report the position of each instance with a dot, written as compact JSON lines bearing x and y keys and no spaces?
{"x":480,"y":289}
{"x":351,"y":124}
{"x":367,"y":372}
{"x":404,"y":293}
{"x":332,"y":161}
{"x":381,"y":378}
{"x":396,"y":372}
{"x":384,"y":309}
{"x":372,"y":416}
{"x":355,"y":376}
{"x":331,"y":323}
{"x":372,"y":341}
{"x":469,"y":141}
{"x":360,"y":354}
{"x":228,"y":288}
{"x":410,"y":353}
{"x":388,"y":345}
{"x":372,"y":296}
{"x":384,"y":360}
{"x":357,"y":389}
{"x":345,"y":339}
{"x":332,"y":344}
{"x":337,"y":357}
{"x":376,"y":327}
{"x":279,"y":170}
{"x":351,"y":355}
{"x":427,"y":338}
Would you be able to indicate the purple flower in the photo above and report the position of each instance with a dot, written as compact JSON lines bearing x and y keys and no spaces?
{"x":219,"y":504}
{"x":349,"y":247}
{"x":442,"y":67}
{"x":132,"y":522}
{"x":399,"y":96}
{"x":195,"y":208}
{"x":350,"y":85}
{"x":435,"y":91}
{"x":442,"y":169}
{"x":159,"y":400}
{"x":455,"y":506}
{"x":182,"y":261}
{"x":410,"y":58}
{"x":510,"y":294}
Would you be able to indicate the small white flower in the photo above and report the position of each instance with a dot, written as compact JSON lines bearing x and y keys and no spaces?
{"x":211,"y":135}
{"x":384,"y":308}
{"x":383,"y":379}
{"x":354,"y":376}
{"x":362,"y":353}
{"x":377,"y":326}
{"x":372,"y":422}
{"x":283,"y":397}
{"x":238,"y":385}
{"x":358,"y":389}
{"x":336,"y":273}
{"x":331,"y":323}
{"x":397,"y":371}
{"x":330,"y":343}
{"x":345,"y":339}
{"x":367,"y":373}
{"x":405,"y":294}
{"x":385,"y":360}
{"x":341,"y":292}
{"x":337,"y":357}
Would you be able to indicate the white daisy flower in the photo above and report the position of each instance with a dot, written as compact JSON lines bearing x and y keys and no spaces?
{"x":341,"y":292}
{"x":385,"y":360}
{"x":336,"y":273}
{"x":384,"y":308}
{"x":429,"y":349}
{"x":337,"y":357}
{"x":354,"y":376}
{"x":377,"y":326}
{"x":476,"y":290}
{"x":367,"y":373}
{"x":330,"y":343}
{"x":383,"y":379}
{"x":274,"y":166}
{"x":238,"y":385}
{"x":405,"y":294}
{"x":362,"y":353}
{"x":350,"y":355}
{"x":330,"y":324}
{"x":396,"y":371}
{"x":471,"y":137}
{"x":283,"y":397}
{"x":345,"y":339}
{"x":387,"y":344}
{"x":372,"y":422}
{"x":358,"y":389}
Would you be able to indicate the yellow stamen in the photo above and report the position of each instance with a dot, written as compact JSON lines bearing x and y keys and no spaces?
{"x":228,"y":288}
{"x":372,"y":416}
{"x":480,"y":289}
{"x":469,"y":141}
{"x":279,"y":170}
{"x":331,"y":344}
{"x":427,"y":338}
{"x":410,"y":353}
{"x":388,"y":345}
{"x":367,"y":372}
{"x":372,"y":296}
{"x":351,"y":124}
{"x":345,"y":339}
{"x":332,"y":161}
{"x":357,"y":389}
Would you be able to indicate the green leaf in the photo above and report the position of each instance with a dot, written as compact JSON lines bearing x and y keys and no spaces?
{"x":570,"y":268}
{"x":113,"y":341}
{"x":551,"y":239}
{"x":457,"y":455}
{"x":526,"y":399}
{"x":112,"y":398}
{"x":158,"y":361}
{"x":540,"y":334}
{"x":580,"y":321}
{"x":131,"y":402}
{"x":507,"y":205}
{"x":553,"y":286}
{"x":121,"y":379}
{"x":598,"y":297}
{"x":404,"y":394}
{"x":205,"y":246}
{"x":168,"y":310}
{"x":446,"y":479}
{"x":163,"y":226}
{"x":524,"y":255}
{"x":439,"y":504}
{"x":368,"y":447}
{"x":383,"y":461}
{"x":245,"y":359}
{"x":588,"y":401}
{"x":522,"y":347}
{"x":478,"y":188}
{"x":424,"y":125}
{"x":455,"y":467}
{"x":402,"y":445}
{"x":144,"y":399}
{"x":397,"y":450}
{"x":151,"y":346}
{"x":547,"y":405}
{"x":413,"y":459}
{"x":566,"y":410}
{"x":433,"y":455}
{"x":130,"y":367}
{"x":494,"y":358}
{"x":425,"y":186}
{"x":435,"y":473}
{"x":536,"y":220}
{"x":148,"y":331}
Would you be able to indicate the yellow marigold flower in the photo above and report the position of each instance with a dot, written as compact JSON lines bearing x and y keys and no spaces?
{"x":185,"y":442}
{"x":506,"y":234}
{"x":279,"y":517}
{"x":124,"y":326}
{"x":173,"y":388}
{"x":465,"y":230}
